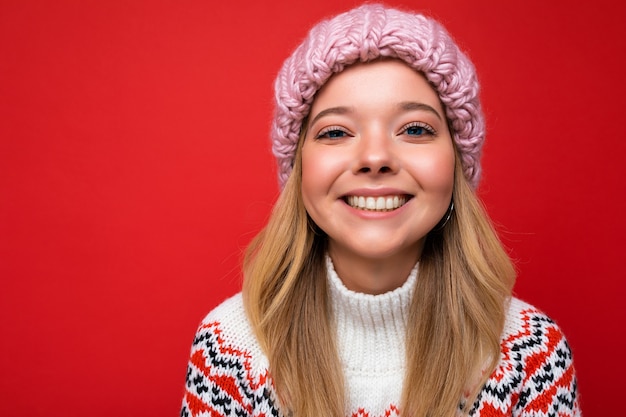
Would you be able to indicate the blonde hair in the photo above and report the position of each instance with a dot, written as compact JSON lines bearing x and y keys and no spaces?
{"x":455,"y":321}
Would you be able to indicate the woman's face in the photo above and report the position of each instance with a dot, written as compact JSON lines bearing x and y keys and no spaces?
{"x":377,"y":162}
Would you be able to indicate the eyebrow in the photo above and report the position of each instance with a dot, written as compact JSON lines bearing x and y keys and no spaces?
{"x":405,"y":105}
{"x":413,"y":105}
{"x":331,"y":110}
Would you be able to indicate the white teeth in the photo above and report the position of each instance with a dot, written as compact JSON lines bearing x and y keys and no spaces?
{"x":376,"y":203}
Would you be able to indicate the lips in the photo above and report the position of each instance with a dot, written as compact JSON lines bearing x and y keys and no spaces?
{"x":378,"y":203}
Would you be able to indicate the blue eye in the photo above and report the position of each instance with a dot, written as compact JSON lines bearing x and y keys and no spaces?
{"x":331,"y":133}
{"x":335,"y":134}
{"x":418,"y":129}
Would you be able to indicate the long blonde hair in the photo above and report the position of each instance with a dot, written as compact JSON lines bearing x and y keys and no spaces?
{"x":455,"y":321}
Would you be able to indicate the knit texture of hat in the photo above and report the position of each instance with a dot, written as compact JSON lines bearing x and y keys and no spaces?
{"x":367,"y":33}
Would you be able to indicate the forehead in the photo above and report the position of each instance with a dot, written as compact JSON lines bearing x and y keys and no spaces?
{"x":376,"y":83}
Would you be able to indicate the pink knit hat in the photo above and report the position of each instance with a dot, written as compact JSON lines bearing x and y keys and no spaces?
{"x":365,"y":34}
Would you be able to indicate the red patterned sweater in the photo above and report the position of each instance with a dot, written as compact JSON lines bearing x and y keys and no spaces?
{"x":228,"y":373}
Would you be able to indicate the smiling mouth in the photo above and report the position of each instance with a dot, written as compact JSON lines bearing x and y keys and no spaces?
{"x":383,"y":203}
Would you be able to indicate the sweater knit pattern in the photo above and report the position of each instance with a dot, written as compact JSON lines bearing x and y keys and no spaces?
{"x":228,"y":373}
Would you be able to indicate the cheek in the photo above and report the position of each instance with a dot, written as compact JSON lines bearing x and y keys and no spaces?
{"x":320,"y":167}
{"x":435,"y":170}
{"x":443,"y":173}
{"x":313,"y":177}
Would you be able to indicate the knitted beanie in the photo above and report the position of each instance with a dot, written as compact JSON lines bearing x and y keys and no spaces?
{"x":364,"y":34}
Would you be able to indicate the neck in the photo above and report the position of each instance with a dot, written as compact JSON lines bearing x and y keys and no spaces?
{"x":373,"y":275}
{"x":371,"y":328}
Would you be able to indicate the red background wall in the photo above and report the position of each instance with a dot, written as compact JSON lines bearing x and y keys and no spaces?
{"x":134,"y":167}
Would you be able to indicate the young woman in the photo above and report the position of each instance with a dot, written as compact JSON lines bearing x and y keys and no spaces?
{"x":378,"y":286}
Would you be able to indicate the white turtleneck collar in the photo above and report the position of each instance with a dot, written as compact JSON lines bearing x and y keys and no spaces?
{"x":370,"y":328}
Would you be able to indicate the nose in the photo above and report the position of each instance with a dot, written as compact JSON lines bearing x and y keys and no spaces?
{"x":375,"y":154}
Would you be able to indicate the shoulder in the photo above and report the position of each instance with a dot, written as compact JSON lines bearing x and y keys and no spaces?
{"x":227,"y":372}
{"x":521,"y":315}
{"x":533,"y":337}
{"x":528,"y":329}
{"x":535,"y":375}
{"x":229,"y":328}
{"x":230,"y":312}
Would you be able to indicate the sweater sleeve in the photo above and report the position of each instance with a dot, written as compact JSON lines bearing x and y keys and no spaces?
{"x":213,"y":386}
{"x":535,"y":376}
{"x":549,"y":386}
{"x":226,"y":375}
